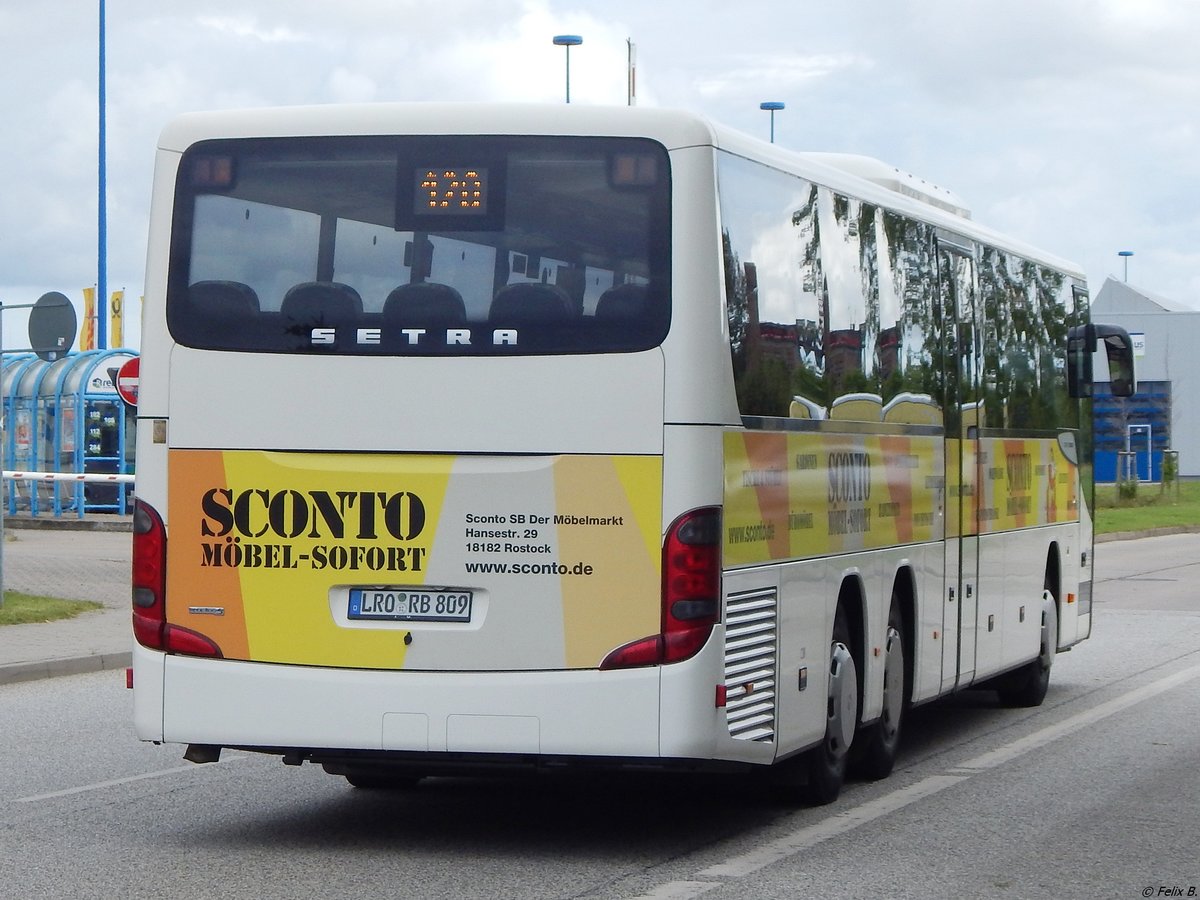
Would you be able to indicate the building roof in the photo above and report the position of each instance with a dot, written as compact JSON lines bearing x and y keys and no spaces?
{"x":1118,"y":297}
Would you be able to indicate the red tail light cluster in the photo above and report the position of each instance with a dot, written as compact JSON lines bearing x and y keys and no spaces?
{"x":150,"y":626}
{"x":149,"y":576}
{"x":691,"y":593}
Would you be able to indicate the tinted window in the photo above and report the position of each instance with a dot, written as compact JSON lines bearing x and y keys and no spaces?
{"x":420,"y":246}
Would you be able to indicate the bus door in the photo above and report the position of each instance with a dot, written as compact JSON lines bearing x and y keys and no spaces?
{"x":964,"y":411}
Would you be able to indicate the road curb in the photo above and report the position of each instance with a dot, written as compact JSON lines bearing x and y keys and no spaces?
{"x":52,"y":668}
{"x":69,"y":523}
{"x":1149,"y":532}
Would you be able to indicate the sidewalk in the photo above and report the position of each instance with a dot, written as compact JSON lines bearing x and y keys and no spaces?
{"x":88,"y":643}
{"x":84,"y":559}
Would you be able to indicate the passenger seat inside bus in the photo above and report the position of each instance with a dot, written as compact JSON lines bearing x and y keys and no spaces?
{"x":857,"y":407}
{"x":216,"y":313}
{"x":908,"y":408}
{"x":425,"y":303}
{"x":531,"y":302}
{"x":314,"y":303}
{"x":624,"y":301}
{"x":223,"y":299}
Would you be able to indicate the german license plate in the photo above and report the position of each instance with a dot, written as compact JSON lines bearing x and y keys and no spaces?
{"x":409,"y":605}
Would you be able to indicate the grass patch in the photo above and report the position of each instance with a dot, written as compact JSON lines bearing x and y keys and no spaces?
{"x":1151,"y":507}
{"x":24,"y":609}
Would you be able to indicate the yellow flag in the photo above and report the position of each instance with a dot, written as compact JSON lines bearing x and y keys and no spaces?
{"x":87,"y":330}
{"x":116,"y":335}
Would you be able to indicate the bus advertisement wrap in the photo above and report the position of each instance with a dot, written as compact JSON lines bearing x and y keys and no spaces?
{"x":804,"y":495}
{"x":797,"y":496}
{"x":425,"y":561}
{"x":1026,"y":482}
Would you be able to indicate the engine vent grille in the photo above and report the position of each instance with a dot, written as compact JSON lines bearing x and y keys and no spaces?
{"x":750,"y":670}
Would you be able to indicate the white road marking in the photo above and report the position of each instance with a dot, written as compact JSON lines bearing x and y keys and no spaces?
{"x":1051,"y":733}
{"x":116,"y":782}
{"x":680,"y":890}
{"x":811,"y":835}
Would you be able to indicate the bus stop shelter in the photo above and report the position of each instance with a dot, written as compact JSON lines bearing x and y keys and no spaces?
{"x":66,"y":416}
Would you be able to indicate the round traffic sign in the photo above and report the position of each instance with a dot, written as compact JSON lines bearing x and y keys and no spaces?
{"x":52,"y":326}
{"x":127,"y":380}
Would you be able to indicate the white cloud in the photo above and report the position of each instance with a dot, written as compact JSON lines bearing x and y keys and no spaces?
{"x":752,"y":74}
{"x":246,"y":26}
{"x":346,"y":86}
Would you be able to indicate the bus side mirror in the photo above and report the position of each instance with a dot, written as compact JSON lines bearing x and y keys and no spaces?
{"x":1082,"y":342}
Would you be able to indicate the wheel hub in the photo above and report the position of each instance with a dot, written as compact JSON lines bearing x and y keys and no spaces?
{"x":1049,"y":629}
{"x":893,"y":681}
{"x":843,"y":699}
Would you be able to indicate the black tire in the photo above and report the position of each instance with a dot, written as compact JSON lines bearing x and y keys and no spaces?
{"x":881,"y":739}
{"x":375,"y":778}
{"x":827,"y":762}
{"x":1027,"y":685}
{"x":382,"y":782}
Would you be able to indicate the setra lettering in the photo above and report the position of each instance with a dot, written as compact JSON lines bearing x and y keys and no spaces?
{"x":417,"y":337}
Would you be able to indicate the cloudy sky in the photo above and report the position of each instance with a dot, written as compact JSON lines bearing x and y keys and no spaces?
{"x":1072,"y":124}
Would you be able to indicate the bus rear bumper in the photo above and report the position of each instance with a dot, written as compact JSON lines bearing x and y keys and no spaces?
{"x":280,"y":708}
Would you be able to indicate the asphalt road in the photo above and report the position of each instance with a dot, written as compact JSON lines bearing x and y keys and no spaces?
{"x":1094,"y":794}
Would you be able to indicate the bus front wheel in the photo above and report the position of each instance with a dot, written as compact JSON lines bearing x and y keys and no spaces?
{"x":1027,"y":686}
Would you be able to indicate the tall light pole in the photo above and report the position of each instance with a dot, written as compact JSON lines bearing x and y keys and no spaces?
{"x":1125,"y":254}
{"x":568,"y":41}
{"x":771,"y":106}
{"x":102,"y":213}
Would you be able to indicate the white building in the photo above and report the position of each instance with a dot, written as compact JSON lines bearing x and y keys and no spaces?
{"x":1165,"y":411}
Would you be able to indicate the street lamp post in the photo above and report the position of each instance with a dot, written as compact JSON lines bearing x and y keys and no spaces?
{"x":771,"y":106}
{"x":1125,"y":254}
{"x":102,"y":206}
{"x":568,"y":41}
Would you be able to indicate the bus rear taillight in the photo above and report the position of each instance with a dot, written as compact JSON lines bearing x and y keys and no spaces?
{"x":691,"y":588}
{"x":150,"y":626}
{"x":691,"y":593}
{"x":149,"y":576}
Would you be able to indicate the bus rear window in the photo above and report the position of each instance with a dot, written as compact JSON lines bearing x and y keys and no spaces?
{"x":421,"y":246}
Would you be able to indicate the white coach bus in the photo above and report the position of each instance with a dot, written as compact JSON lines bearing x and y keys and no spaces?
{"x":485,"y":437}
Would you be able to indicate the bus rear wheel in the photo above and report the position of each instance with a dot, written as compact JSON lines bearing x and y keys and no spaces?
{"x":376,"y":778}
{"x":382,"y":782}
{"x":881,"y":740}
{"x":827,"y":761}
